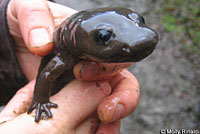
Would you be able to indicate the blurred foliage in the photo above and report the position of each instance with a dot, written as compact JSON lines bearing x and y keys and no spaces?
{"x":183,"y":17}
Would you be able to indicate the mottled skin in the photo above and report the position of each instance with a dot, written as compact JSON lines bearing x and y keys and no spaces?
{"x":111,"y":35}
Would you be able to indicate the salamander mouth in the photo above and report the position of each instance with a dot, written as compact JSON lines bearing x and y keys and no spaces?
{"x":115,"y":59}
{"x":127,"y":54}
{"x":133,"y":54}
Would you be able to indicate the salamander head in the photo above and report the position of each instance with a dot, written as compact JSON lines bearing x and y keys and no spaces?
{"x":113,"y":35}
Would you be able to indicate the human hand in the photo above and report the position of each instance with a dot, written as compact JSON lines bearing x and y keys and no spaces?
{"x":31,"y":23}
{"x":125,"y":87}
{"x":77,"y":101}
{"x":125,"y":91}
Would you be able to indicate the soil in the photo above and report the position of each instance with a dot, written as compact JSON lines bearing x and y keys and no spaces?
{"x":169,"y":95}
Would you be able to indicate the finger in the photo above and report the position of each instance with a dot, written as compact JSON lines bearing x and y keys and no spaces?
{"x":60,"y":12}
{"x":110,"y":128}
{"x":123,"y":100}
{"x":19,"y":103}
{"x":78,"y":100}
{"x":36,"y":24}
{"x":86,"y":70}
{"x":88,"y":126}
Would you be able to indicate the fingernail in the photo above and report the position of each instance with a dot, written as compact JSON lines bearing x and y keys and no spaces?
{"x":118,"y":112}
{"x":87,"y":70}
{"x":38,"y":37}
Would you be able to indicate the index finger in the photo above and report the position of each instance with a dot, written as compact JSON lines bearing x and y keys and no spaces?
{"x":88,"y":70}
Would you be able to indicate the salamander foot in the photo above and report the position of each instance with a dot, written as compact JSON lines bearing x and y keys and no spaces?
{"x":41,"y":108}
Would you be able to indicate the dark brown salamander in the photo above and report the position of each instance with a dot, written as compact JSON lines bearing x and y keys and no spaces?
{"x":111,"y":35}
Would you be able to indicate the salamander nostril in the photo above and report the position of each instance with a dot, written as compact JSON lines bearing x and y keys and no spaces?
{"x":155,"y":39}
{"x":142,"y":20}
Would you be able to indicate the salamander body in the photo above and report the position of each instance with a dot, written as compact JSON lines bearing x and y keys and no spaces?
{"x":110,"y":35}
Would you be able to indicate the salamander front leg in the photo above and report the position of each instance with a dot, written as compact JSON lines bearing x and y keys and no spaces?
{"x":46,"y":75}
{"x":41,"y":107}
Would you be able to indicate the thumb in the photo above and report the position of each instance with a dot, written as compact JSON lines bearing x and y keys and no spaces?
{"x":36,"y":24}
{"x":19,"y":103}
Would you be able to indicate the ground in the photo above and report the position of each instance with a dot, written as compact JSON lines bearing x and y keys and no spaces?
{"x":169,"y":95}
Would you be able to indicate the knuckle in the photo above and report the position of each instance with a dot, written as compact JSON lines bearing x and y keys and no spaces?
{"x":104,"y":87}
{"x":27,"y":7}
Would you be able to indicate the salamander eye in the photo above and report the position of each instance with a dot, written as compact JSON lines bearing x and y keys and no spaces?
{"x":102,"y":36}
{"x":142,"y":19}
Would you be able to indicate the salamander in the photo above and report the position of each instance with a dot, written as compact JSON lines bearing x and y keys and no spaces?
{"x":109,"y":35}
